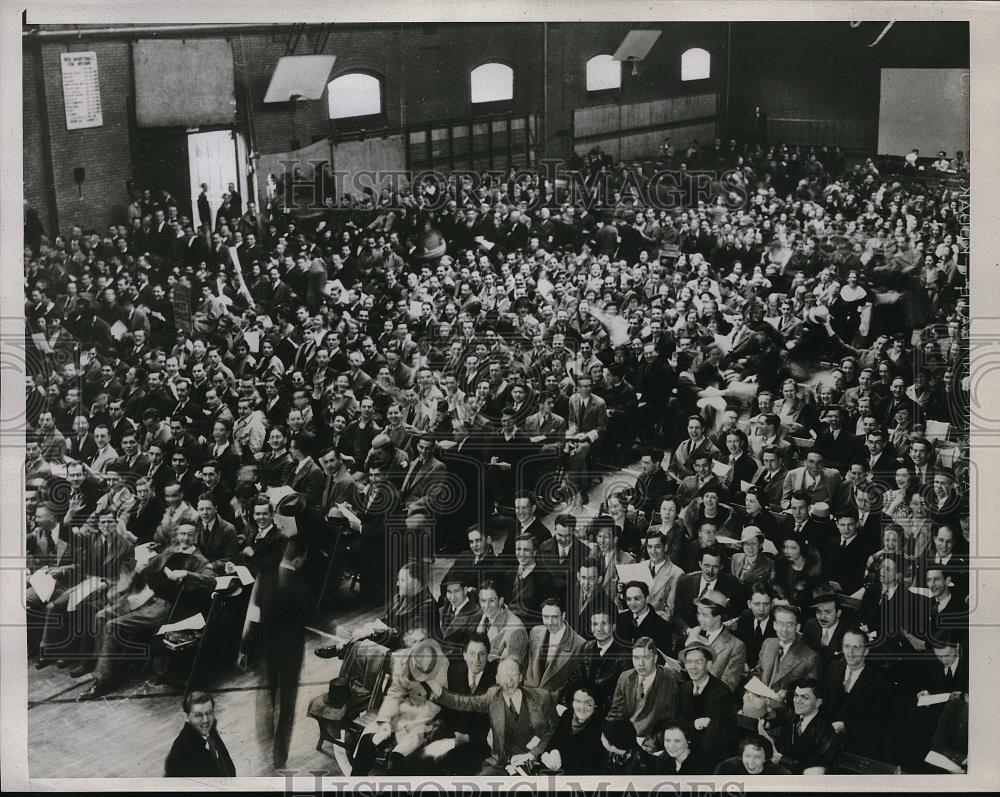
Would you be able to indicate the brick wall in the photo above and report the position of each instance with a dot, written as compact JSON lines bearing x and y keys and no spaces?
{"x":103,"y":152}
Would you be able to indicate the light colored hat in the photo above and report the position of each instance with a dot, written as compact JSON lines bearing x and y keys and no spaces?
{"x":696,"y":644}
{"x":751,"y":533}
{"x":714,"y":599}
{"x":820,"y":511}
{"x":755,"y":686}
{"x":426,"y":661}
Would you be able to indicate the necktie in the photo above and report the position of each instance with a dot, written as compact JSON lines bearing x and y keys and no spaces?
{"x":847,"y":680}
{"x":50,"y":543}
{"x":543,"y":658}
{"x":652,"y":570}
{"x":486,"y":625}
{"x":796,"y":731}
{"x":781,"y":652}
{"x":704,"y":589}
{"x":948,"y":676}
{"x":826,"y":637}
{"x":642,"y":691}
{"x":513,"y":709}
{"x":472,"y":685}
{"x":759,"y":631}
{"x":843,"y":543}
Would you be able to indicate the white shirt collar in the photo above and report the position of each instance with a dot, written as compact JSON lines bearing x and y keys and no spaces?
{"x":806,"y":720}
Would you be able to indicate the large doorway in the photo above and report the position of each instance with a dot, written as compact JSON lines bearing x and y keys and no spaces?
{"x":213,"y":159}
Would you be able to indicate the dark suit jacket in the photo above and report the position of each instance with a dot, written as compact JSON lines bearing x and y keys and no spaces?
{"x":745,"y":632}
{"x":714,"y":702}
{"x":84,"y":452}
{"x":189,"y":758}
{"x":812,"y":632}
{"x":818,"y":746}
{"x":220,"y":545}
{"x":589,"y":666}
{"x":309,"y":481}
{"x":475,"y":725}
{"x":143,"y":520}
{"x":275,"y":471}
{"x":527,"y":594}
{"x":465,"y":567}
{"x":65,"y":555}
{"x":564,"y":573}
{"x":865,"y":710}
{"x":687,"y":591}
{"x":845,"y":565}
{"x":455,"y":629}
{"x":536,"y":529}
{"x":652,"y":625}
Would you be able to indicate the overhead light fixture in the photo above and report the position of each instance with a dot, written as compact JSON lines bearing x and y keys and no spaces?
{"x":635,"y":47}
{"x":299,"y":77}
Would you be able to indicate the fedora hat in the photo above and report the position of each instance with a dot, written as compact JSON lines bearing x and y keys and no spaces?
{"x":713,"y":599}
{"x":696,"y":645}
{"x":338,"y":694}
{"x":426,"y":661}
{"x":755,"y":686}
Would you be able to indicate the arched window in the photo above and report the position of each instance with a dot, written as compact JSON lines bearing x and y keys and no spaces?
{"x":492,"y":83}
{"x":696,"y":64}
{"x":603,"y":73}
{"x":354,"y":94}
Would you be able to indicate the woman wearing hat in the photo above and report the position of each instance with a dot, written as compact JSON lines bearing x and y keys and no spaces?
{"x":751,"y":564}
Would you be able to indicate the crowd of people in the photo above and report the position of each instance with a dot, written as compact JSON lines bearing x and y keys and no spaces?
{"x":452,"y":373}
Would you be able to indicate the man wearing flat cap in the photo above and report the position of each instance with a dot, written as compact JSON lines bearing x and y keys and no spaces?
{"x":729,"y":654}
{"x":705,"y":701}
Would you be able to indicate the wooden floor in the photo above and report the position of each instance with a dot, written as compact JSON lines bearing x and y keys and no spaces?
{"x":129,"y":733}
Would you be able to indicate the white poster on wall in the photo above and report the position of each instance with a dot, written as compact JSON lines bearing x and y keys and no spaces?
{"x":81,"y":90}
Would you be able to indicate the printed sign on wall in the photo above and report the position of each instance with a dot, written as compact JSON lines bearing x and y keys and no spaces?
{"x":81,"y":90}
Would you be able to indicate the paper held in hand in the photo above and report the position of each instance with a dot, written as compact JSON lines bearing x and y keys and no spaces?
{"x":43,"y":584}
{"x":194,"y":623}
{"x":82,"y":591}
{"x":635,"y":572}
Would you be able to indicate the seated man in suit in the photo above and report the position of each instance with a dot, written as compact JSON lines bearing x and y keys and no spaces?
{"x":705,"y":701}
{"x":640,"y":621}
{"x":500,"y":625}
{"x":824,"y":632}
{"x":647,"y":695}
{"x":101,"y":557}
{"x":55,"y":549}
{"x":412,"y":606}
{"x":552,"y":647}
{"x":527,"y":523}
{"x":587,"y":421}
{"x":858,"y":698}
{"x":459,"y":615}
{"x":755,"y":623}
{"x":729,"y":654}
{"x":475,"y":565}
{"x":665,"y":574}
{"x":845,"y":556}
{"x":472,"y":675}
{"x":709,"y":576}
{"x":587,"y":598}
{"x":563,"y":554}
{"x":180,"y":569}
{"x":822,"y":483}
{"x":531,"y":584}
{"x":522,"y":718}
{"x":806,"y":744}
{"x":423,"y":482}
{"x":600,"y":661}
{"x":216,"y":538}
{"x":786,"y":658}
